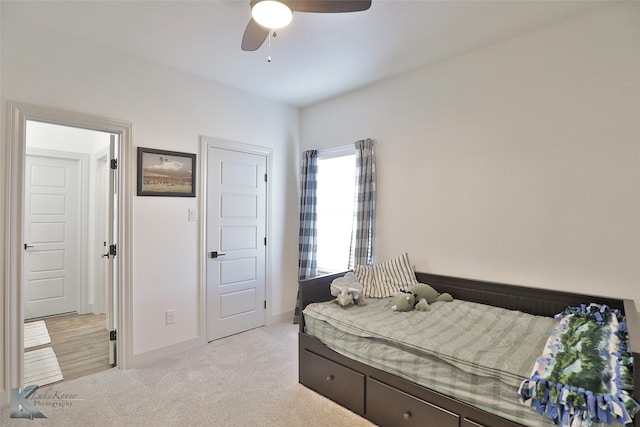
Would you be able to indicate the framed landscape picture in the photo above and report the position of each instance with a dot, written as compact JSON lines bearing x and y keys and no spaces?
{"x":166,"y":173}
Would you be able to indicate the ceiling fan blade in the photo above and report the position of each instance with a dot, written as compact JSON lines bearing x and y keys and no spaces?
{"x":254,"y":36}
{"x":330,"y":6}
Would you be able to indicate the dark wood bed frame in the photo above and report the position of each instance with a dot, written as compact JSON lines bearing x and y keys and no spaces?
{"x":388,"y":400}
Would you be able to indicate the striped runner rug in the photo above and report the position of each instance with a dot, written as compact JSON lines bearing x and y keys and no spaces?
{"x":41,"y":367}
{"x":35,"y":334}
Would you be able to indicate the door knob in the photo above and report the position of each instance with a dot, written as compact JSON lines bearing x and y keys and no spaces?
{"x":215,"y":254}
{"x":27,"y":246}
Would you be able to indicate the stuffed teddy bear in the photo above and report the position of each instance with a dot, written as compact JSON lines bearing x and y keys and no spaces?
{"x":347,"y":290}
{"x":423,"y":296}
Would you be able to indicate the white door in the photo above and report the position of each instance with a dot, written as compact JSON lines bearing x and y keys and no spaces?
{"x":106,"y":229}
{"x":51,"y":236}
{"x":236,"y":239}
{"x":111,"y":254}
{"x":102,"y":235}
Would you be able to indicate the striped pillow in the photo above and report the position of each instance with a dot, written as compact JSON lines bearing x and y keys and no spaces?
{"x":385,"y":279}
{"x":364,"y":274}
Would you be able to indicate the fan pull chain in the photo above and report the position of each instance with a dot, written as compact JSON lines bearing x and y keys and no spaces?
{"x":269,"y":54}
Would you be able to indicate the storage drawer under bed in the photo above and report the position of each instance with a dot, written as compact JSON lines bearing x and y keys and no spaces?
{"x":388,"y":406}
{"x":339,"y":383}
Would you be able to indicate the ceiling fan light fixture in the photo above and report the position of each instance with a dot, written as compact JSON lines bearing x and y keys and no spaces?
{"x":271,"y":14}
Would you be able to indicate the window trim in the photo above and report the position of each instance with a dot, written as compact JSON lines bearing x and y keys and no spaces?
{"x":342,"y":151}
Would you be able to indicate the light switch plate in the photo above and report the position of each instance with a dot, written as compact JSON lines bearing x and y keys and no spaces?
{"x":170,"y":317}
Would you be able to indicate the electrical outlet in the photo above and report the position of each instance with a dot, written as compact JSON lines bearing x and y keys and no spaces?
{"x":170,"y":317}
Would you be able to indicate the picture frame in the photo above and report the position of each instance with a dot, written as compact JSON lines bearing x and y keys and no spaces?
{"x":166,"y":173}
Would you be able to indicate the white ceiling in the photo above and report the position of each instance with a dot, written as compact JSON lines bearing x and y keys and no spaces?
{"x":316,"y":57}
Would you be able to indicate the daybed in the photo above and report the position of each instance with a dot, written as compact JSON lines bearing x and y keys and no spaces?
{"x":390,"y":399}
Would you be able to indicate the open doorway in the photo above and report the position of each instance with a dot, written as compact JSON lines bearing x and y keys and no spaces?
{"x":118,"y":247}
{"x":66,"y":226}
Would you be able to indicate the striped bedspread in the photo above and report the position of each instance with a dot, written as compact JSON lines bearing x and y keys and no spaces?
{"x":472,"y":352}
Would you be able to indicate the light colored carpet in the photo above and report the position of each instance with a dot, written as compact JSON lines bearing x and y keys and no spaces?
{"x":35,"y":334}
{"x":41,"y":367}
{"x":249,"y":379}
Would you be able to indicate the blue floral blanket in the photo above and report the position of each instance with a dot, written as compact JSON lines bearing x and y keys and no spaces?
{"x":585,"y":375}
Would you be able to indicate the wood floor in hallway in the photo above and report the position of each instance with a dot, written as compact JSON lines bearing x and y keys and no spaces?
{"x":81,"y":343}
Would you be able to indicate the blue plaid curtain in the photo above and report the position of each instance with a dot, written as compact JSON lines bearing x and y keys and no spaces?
{"x":362,"y":237}
{"x":308,"y":237}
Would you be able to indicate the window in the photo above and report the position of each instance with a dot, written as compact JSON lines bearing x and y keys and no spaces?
{"x":335,"y":198}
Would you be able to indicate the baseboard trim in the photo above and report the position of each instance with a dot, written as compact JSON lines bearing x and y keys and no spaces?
{"x":143,"y":359}
{"x":287,"y":316}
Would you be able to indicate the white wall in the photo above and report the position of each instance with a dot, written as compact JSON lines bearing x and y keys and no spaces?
{"x":64,"y":138}
{"x":169,"y":110}
{"x":516,"y":163}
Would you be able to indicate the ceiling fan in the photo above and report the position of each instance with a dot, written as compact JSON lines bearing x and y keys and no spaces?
{"x":268,"y":15}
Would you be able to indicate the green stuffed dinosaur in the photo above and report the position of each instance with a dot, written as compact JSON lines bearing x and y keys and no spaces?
{"x":418,"y":296}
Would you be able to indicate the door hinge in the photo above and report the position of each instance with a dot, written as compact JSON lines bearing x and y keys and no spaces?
{"x":265,"y":305}
{"x":265,"y":177}
{"x":112,"y":250}
{"x":114,"y":163}
{"x":265,"y":241}
{"x":112,"y":335}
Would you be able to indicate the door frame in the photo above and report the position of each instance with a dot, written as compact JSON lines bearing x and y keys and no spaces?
{"x":17,"y":116}
{"x":205,"y":143}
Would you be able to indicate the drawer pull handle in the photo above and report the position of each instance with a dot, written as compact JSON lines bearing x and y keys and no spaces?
{"x":407,"y":415}
{"x":330,"y":378}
